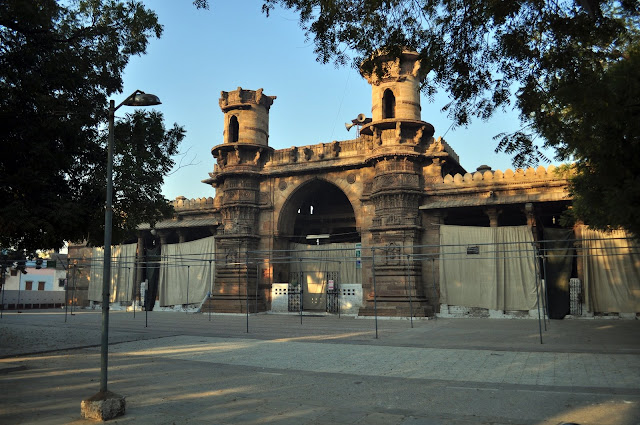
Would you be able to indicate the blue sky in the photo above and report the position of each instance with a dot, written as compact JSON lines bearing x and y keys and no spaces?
{"x":203,"y":52}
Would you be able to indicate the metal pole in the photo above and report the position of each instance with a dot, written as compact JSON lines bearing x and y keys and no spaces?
{"x":4,"y":277}
{"x":136,"y":290}
{"x":375,"y":298}
{"x":409,"y":287}
{"x":73,"y":291}
{"x":542,"y":298}
{"x":66,"y":291}
{"x":537,"y":295}
{"x":337,"y":288}
{"x":210,"y":288}
{"x":127,"y":285}
{"x":433,"y":283}
{"x":257,"y":280}
{"x":19,"y":284}
{"x":300,"y":285}
{"x":246,"y":291}
{"x":544,"y":288}
{"x":66,"y":297}
{"x":188,"y":276}
{"x":106,"y":273}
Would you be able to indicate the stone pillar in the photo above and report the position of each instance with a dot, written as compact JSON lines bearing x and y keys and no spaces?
{"x":493,"y":214}
{"x":182,"y":237}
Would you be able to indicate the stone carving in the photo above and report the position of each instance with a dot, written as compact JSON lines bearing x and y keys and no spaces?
{"x":335,"y":147}
{"x":308,"y":153}
{"x":256,"y":158}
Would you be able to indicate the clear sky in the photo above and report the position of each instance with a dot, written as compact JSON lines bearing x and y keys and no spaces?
{"x":203,"y":52}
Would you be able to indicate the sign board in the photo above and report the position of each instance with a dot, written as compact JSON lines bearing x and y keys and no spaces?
{"x":473,"y":249}
{"x":331,"y":285}
{"x":358,"y":255}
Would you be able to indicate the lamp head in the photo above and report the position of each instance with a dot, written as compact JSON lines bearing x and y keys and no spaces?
{"x":140,"y":98}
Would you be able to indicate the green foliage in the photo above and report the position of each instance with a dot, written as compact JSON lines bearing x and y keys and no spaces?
{"x":143,"y":154}
{"x":59,"y":62}
{"x":563,"y":64}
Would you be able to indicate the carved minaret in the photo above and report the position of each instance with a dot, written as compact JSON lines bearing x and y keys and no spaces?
{"x":398,"y":139}
{"x":236,"y":178}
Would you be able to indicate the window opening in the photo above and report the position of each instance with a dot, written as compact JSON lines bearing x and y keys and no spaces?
{"x":234,"y":129}
{"x":28,"y":285}
{"x":40,"y":286}
{"x":388,"y":105}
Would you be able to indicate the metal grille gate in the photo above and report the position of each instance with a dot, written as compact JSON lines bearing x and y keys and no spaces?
{"x":295,"y":291}
{"x":333,"y":295}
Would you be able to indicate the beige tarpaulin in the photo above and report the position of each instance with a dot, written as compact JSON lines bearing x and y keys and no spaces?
{"x":316,"y":265}
{"x":612,"y":271}
{"x":123,"y":270}
{"x":186,"y":272}
{"x":335,"y":257}
{"x":487,"y":267}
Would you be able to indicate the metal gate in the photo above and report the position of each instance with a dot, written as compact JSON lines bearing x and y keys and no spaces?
{"x":333,"y":293}
{"x":295,"y":291}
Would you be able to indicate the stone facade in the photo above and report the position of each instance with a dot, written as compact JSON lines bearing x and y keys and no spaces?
{"x":391,"y":188}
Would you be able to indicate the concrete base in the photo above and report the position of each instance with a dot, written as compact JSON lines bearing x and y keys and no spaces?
{"x":103,"y":406}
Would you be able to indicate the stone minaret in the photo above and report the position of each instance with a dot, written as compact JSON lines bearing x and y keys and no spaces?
{"x":397,"y":137}
{"x":236,"y":178}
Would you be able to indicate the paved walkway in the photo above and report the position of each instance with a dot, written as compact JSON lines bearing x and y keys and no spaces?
{"x":501,"y":367}
{"x":192,"y":369}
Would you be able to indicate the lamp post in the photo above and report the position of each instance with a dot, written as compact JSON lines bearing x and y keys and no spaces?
{"x":137,"y":98}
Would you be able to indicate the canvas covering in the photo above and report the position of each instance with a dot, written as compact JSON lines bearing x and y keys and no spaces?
{"x":186,"y":274}
{"x":612,"y":271}
{"x":501,"y":276}
{"x":340,"y":257}
{"x":122,"y":273}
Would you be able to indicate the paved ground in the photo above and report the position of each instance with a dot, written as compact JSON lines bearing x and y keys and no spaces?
{"x":192,"y":368}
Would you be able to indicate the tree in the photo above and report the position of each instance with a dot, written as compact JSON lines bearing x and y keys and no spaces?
{"x":555,"y":61}
{"x":59,"y":62}
{"x":143,"y":155}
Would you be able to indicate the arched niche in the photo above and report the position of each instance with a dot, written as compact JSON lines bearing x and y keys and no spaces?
{"x":388,"y":104}
{"x":318,"y":207}
{"x":234,"y":129}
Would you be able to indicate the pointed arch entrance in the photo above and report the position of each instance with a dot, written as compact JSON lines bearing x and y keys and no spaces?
{"x":318,"y":227}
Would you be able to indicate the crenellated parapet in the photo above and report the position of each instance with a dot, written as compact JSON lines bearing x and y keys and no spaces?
{"x":508,"y":176}
{"x":487,"y":187}
{"x":181,"y":204}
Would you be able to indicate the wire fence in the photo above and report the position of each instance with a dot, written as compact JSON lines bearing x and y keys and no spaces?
{"x":416,"y":272}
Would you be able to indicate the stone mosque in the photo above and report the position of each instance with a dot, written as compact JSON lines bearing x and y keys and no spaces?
{"x":392,"y":187}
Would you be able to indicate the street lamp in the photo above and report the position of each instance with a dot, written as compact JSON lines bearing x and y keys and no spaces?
{"x":137,"y":98}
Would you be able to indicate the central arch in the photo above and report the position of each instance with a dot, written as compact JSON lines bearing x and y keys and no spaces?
{"x":318,"y":212}
{"x":318,"y":207}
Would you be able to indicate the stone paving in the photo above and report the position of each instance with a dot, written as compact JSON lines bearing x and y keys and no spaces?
{"x":194,"y":369}
{"x":527,"y":368}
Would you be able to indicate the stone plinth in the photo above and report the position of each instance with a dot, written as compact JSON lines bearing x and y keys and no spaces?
{"x":103,"y":406}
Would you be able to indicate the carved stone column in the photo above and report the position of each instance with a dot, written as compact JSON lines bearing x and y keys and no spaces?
{"x":395,"y":232}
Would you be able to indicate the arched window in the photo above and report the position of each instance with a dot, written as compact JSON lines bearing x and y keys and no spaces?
{"x":388,"y":105}
{"x":234,"y":129}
